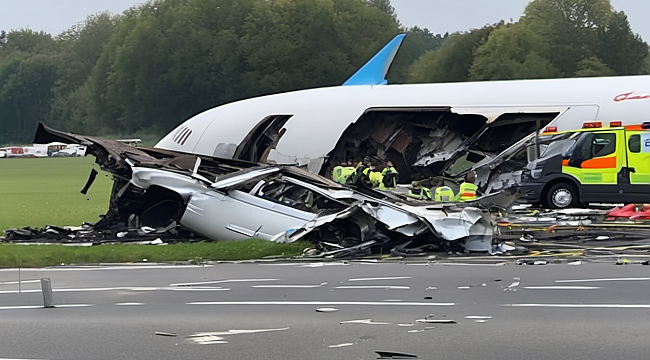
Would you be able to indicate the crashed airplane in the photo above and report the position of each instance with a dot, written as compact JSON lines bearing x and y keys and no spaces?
{"x":172,"y":192}
{"x":238,"y":170}
{"x":423,"y":129}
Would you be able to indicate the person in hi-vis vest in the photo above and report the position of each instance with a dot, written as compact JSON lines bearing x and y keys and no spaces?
{"x":467,"y":189}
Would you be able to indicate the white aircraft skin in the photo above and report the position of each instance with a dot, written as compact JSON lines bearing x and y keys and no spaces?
{"x":320,"y":116}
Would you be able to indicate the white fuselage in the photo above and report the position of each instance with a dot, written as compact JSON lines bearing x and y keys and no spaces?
{"x":320,"y":116}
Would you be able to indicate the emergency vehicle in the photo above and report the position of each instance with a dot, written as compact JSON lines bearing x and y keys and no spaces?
{"x":595,"y":164}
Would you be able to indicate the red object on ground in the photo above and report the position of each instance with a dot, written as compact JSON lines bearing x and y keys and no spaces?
{"x":624,"y":212}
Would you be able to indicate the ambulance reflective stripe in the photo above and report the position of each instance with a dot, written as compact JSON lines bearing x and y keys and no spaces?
{"x":444,"y":193}
{"x":600,"y":163}
{"x":467,"y":191}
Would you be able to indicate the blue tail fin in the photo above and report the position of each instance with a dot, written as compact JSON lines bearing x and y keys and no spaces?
{"x":374,"y":71}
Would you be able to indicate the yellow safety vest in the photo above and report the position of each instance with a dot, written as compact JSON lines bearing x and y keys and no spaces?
{"x":375,"y":178}
{"x":444,"y":194}
{"x":346,"y":171}
{"x":467,"y":192}
{"x":420,"y":193}
{"x":337,"y":174}
{"x":389,"y":178}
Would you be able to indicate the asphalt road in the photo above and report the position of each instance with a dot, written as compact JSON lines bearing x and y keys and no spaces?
{"x":269,"y":311}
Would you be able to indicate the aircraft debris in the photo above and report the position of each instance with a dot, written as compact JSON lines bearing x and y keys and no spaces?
{"x":394,"y":355}
{"x":515,"y":283}
{"x":168,"y":195}
{"x":327,"y":309}
{"x":162,"y":333}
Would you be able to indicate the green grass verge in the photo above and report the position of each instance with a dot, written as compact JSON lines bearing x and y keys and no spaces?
{"x":45,"y":191}
{"x":13,"y":255}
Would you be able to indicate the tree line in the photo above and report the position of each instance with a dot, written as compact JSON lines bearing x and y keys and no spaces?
{"x":553,"y":38}
{"x":148,"y":69}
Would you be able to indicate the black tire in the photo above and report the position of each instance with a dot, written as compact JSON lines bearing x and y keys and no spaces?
{"x":561,"y":196}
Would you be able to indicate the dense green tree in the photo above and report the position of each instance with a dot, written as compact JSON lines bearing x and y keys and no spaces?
{"x":81,"y":47}
{"x":417,"y":42}
{"x":512,"y":51}
{"x":453,"y":60}
{"x":554,"y":38}
{"x":385,"y":6}
{"x":293,"y":44}
{"x":26,"y":84}
{"x":3,"y":38}
{"x":622,"y":50}
{"x":592,"y":66}
{"x":571,"y":28}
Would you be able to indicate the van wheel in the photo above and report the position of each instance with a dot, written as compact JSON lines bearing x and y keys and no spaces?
{"x":560,"y":196}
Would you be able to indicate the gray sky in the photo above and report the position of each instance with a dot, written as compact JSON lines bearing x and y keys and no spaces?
{"x":439,"y":16}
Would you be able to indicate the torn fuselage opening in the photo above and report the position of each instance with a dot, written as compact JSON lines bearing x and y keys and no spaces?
{"x":424,"y":143}
{"x":262,"y":139}
{"x":404,"y":137}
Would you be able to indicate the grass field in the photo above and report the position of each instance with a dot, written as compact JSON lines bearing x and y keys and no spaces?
{"x":45,"y":191}
{"x":12,"y":255}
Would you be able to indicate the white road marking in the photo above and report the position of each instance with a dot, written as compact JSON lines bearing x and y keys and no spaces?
{"x":130,"y":304}
{"x":222,"y":281}
{"x":562,"y":287}
{"x":340,"y":345}
{"x":41,"y":307}
{"x":209,"y":338}
{"x":320,"y":303}
{"x":21,"y":282}
{"x":382,"y":278}
{"x":313,"y":265}
{"x":608,"y":279}
{"x":478,"y":317}
{"x":364,"y":321}
{"x":124,"y":267}
{"x":382,"y":287}
{"x":470,"y":264}
{"x":288,"y":286}
{"x":588,"y":306}
{"x":122,"y":288}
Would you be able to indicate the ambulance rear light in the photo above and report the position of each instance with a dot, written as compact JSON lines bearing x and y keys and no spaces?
{"x":551,"y":129}
{"x":646,"y":125}
{"x":615,"y":123}
{"x":592,"y":125}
